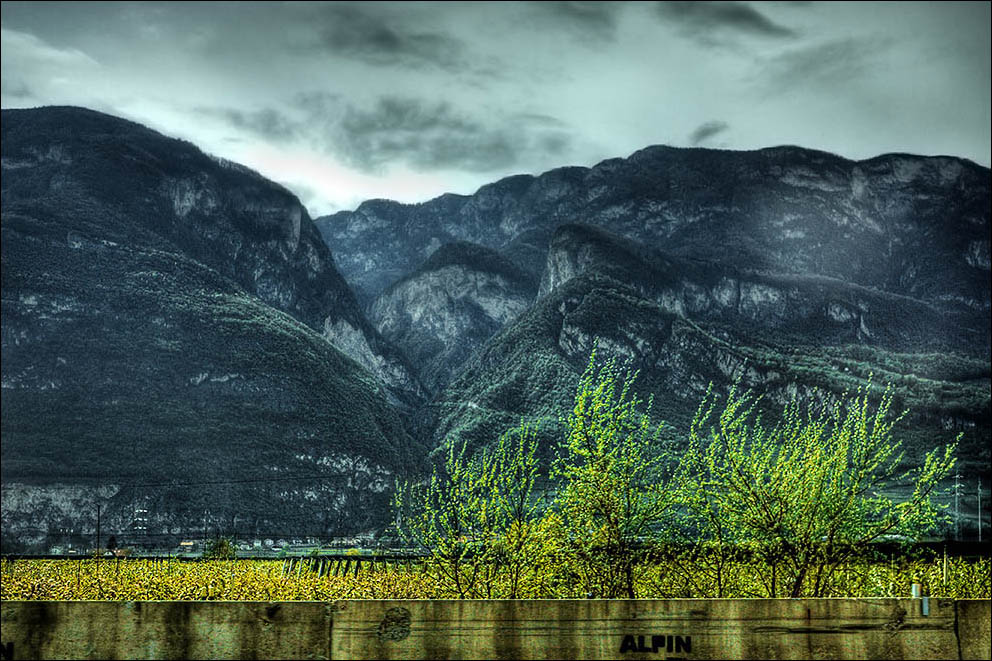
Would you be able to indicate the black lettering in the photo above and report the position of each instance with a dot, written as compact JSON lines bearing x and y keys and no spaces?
{"x":632,"y":643}
{"x":7,"y":651}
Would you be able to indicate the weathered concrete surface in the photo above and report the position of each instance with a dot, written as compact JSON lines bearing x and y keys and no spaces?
{"x":565,"y":629}
{"x":975,"y":628}
{"x":594,"y":629}
{"x":167,"y":629}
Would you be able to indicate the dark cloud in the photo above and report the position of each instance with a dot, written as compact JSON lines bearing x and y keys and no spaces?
{"x":597,"y":19}
{"x":703,"y":20}
{"x":267,"y":123}
{"x":435,"y":136}
{"x":318,"y":104}
{"x":352,"y":31}
{"x":424,"y":135}
{"x":707,"y":130}
{"x":15,"y":89}
{"x":830,"y":64}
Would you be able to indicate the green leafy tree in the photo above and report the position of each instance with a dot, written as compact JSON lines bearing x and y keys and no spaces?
{"x":220,"y":548}
{"x":613,"y":500}
{"x":805,"y":495}
{"x":476,"y":517}
{"x":511,"y":475}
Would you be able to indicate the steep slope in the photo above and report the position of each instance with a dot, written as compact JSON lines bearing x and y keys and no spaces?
{"x":459,"y":298}
{"x":109,"y":179}
{"x":166,"y":320}
{"x":528,"y":372}
{"x":908,"y":225}
{"x":806,"y":309}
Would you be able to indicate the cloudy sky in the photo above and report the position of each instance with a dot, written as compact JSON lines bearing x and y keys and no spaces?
{"x":348,"y":101}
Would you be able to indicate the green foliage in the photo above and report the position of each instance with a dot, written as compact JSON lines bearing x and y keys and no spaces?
{"x":745,"y":509}
{"x":476,"y":516}
{"x":531,"y":368}
{"x":220,"y":548}
{"x":807,"y":494}
{"x":613,"y":498}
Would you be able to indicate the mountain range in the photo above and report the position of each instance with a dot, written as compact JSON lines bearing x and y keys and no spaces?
{"x":179,"y":336}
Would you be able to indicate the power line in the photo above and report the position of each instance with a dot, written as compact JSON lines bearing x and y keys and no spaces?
{"x":202,"y":534}
{"x":254,"y":480}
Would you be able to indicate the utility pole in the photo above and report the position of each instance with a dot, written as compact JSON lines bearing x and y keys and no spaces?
{"x":98,"y":529}
{"x":957,"y":507}
{"x":979,"y":509}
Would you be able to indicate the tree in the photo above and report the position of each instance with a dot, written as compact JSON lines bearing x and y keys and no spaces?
{"x":476,"y":517}
{"x":807,"y":494}
{"x":487,"y":534}
{"x":613,"y":502}
{"x":220,"y":548}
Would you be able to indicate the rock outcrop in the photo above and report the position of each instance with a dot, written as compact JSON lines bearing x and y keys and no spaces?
{"x":442,"y":312}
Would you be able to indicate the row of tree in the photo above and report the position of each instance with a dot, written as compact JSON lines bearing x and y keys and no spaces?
{"x":799,"y":499}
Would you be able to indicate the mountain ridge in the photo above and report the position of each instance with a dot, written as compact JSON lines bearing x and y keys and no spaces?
{"x":658,"y":194}
{"x":167,"y":313}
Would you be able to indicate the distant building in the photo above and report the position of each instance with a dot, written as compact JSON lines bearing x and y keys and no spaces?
{"x":139,"y":525}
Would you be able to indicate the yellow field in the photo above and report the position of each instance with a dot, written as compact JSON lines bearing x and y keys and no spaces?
{"x":265,"y":580}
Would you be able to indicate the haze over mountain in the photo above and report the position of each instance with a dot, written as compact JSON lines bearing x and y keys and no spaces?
{"x":169,"y":318}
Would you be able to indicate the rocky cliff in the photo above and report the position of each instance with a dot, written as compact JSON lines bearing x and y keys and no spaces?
{"x":123,"y":183}
{"x":792,"y":307}
{"x":449,"y":306}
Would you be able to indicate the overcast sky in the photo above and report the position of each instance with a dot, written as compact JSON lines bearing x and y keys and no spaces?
{"x":343,"y":102}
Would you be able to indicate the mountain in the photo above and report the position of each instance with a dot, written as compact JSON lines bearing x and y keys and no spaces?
{"x":529,"y":371}
{"x":795,"y":308}
{"x":171,"y":318}
{"x":177,"y":335}
{"x":449,"y":306}
{"x":803,"y":273}
{"x":907,"y":225}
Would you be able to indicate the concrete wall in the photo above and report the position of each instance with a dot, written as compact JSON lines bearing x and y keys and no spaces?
{"x":565,"y":629}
